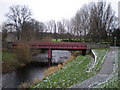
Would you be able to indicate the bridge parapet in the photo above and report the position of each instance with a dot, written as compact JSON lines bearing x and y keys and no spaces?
{"x":52,"y":45}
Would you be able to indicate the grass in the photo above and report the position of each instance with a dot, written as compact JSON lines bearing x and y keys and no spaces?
{"x":53,"y":69}
{"x":9,"y":61}
{"x":113,"y":82}
{"x":72,"y":73}
{"x":69,"y":40}
{"x":100,"y":56}
{"x":64,"y":77}
{"x":8,"y":56}
{"x":58,"y":40}
{"x":12,"y":60}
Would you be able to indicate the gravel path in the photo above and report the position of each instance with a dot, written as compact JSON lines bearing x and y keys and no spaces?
{"x":104,"y":74}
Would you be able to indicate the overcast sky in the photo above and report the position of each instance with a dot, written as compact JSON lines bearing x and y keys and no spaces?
{"x":45,"y":10}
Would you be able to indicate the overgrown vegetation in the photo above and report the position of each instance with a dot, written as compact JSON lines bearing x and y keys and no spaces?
{"x":12,"y":60}
{"x":8,"y":56}
{"x":74,"y":72}
{"x":9,"y":61}
{"x":23,"y":54}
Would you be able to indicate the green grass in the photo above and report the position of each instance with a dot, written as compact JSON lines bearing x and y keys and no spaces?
{"x":58,"y":40}
{"x":8,"y":56}
{"x":100,"y":53}
{"x":112,"y":83}
{"x":74,"y":40}
{"x":73,"y":73}
{"x":9,"y":62}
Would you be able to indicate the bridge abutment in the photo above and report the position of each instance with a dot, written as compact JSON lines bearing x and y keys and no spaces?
{"x":84,"y":52}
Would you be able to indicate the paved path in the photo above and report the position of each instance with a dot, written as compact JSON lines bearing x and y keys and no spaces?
{"x":104,"y":74}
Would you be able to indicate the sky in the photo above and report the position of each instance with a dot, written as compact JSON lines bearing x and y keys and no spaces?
{"x":45,"y":10}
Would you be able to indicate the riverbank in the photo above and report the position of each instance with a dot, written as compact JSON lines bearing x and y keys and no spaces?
{"x":72,"y":73}
{"x":81,"y":68}
{"x":11,"y":60}
{"x":34,"y":70}
{"x":50,"y":70}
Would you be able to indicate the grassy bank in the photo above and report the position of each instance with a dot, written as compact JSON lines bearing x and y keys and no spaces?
{"x":62,"y":78}
{"x":74,"y":72}
{"x":99,"y":58}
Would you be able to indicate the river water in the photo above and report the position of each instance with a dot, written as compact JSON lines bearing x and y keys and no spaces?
{"x":33,"y":70}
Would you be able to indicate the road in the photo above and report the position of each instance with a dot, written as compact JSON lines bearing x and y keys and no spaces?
{"x":104,"y":74}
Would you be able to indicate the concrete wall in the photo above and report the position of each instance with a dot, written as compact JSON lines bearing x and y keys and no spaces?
{"x":94,"y":45}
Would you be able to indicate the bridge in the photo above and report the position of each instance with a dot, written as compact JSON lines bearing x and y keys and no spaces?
{"x":52,"y":46}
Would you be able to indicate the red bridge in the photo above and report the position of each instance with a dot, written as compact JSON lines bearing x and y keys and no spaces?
{"x":53,"y":46}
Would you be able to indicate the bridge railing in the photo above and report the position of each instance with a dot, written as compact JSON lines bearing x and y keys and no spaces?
{"x":52,"y":45}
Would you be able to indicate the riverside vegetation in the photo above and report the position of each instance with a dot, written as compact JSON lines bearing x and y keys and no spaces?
{"x":16,"y":58}
{"x":74,"y":72}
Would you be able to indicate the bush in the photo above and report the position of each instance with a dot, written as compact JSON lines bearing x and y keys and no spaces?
{"x":47,"y":39}
{"x":23,"y":54}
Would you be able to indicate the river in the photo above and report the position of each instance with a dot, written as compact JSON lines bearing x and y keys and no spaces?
{"x":34,"y":69}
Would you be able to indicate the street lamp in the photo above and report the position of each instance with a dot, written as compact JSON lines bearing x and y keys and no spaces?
{"x":114,"y":41}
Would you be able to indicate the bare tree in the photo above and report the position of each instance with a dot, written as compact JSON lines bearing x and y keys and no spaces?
{"x":17,"y":16}
{"x":39,"y":29}
{"x":76,"y":25}
{"x":61,"y":29}
{"x":67,"y":26}
{"x":84,"y":15}
{"x":51,"y":26}
{"x":102,"y":19}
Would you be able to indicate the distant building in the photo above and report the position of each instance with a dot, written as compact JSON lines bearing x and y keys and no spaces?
{"x":7,"y":43}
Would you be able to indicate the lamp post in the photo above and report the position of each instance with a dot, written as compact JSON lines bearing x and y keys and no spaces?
{"x":114,"y":41}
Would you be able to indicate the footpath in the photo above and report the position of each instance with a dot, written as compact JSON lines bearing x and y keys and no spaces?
{"x":104,"y":74}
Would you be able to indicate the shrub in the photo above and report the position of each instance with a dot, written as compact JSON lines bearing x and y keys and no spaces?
{"x":47,"y":38}
{"x":23,"y":54}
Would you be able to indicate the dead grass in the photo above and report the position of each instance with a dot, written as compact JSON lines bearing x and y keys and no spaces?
{"x":28,"y":84}
{"x":53,"y":69}
{"x":24,"y":85}
{"x":23,"y":53}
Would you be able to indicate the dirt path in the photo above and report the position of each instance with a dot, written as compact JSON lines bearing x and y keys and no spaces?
{"x":104,"y":74}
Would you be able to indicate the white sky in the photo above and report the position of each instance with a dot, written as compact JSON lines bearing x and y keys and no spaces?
{"x":45,"y":10}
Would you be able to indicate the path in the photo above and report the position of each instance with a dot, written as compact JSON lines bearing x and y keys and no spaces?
{"x":104,"y":74}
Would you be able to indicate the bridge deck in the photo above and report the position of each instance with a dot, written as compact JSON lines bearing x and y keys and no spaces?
{"x":52,"y":45}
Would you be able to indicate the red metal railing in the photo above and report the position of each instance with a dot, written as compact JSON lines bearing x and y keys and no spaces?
{"x":51,"y":45}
